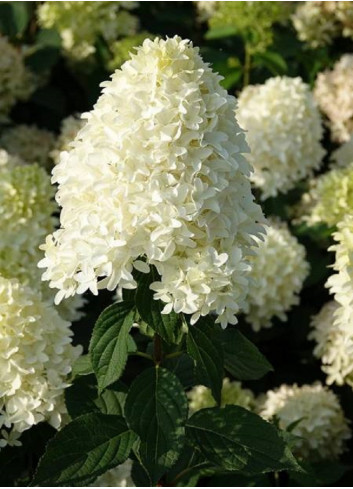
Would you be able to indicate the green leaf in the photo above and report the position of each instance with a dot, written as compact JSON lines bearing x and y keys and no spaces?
{"x":234,"y":438}
{"x":168,"y":326}
{"x":42,"y":58}
{"x":82,"y":366}
{"x":274,"y":62}
{"x":84,"y":449}
{"x":242,"y":359}
{"x":48,"y":37}
{"x":156,"y":409}
{"x":206,"y":350}
{"x":220,"y":32}
{"x":110,"y":343}
{"x":14,"y":17}
{"x":82,"y":397}
{"x":232,"y":78}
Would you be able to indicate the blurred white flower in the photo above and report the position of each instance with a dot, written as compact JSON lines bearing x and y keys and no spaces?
{"x":28,"y":143}
{"x":334,"y":94}
{"x":284,"y":130}
{"x":80,"y":24}
{"x":16,"y":82}
{"x":278,"y":271}
{"x":322,"y":427}
{"x":342,"y":156}
{"x":158,"y":172}
{"x":200,"y":397}
{"x":35,"y":360}
{"x":117,"y":477}
{"x":69,"y":130}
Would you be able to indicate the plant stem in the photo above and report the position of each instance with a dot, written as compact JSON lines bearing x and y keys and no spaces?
{"x":143,"y":355}
{"x":157,"y":352}
{"x":175,"y":354}
{"x":247,"y":66}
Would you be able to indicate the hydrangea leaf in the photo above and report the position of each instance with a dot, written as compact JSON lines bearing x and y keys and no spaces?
{"x":234,"y":438}
{"x":110,"y":343}
{"x":156,"y":409}
{"x":84,"y":449}
{"x":206,"y":350}
{"x":168,"y":326}
{"x":242,"y":358}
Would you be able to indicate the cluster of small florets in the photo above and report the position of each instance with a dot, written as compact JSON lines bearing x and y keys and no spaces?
{"x":178,"y":195}
{"x":252,"y":20}
{"x":16,"y":82}
{"x":80,"y":24}
{"x":318,"y":23}
{"x":330,"y":197}
{"x":200,"y":397}
{"x":322,"y":429}
{"x":6,"y":159}
{"x":205,"y":9}
{"x":333,"y":333}
{"x":68,"y":132}
{"x":283,"y":130}
{"x":36,"y":357}
{"x":29,"y":143}
{"x":118,"y":477}
{"x":278,"y":271}
{"x":334,"y":94}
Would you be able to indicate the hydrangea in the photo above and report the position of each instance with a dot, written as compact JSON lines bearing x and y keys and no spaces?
{"x":29,"y":143}
{"x":16,"y":82}
{"x":117,"y":477}
{"x":334,"y":94}
{"x":329,"y":198}
{"x":278,"y":271}
{"x":322,"y":428}
{"x":342,"y":156}
{"x":69,"y":130}
{"x":200,"y":397}
{"x":284,"y":132}
{"x":318,"y":23}
{"x":205,"y":9}
{"x":157,"y":174}
{"x":122,"y":48}
{"x":252,"y":20}
{"x":6,"y":159}
{"x":332,"y":331}
{"x":80,"y":24}
{"x":35,"y":360}
{"x":26,"y":217}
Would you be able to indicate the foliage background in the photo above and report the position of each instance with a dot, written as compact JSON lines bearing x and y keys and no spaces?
{"x":67,"y":91}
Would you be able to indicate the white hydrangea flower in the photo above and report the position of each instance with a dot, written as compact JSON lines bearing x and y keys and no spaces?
{"x":334,"y":94}
{"x":279,"y":269}
{"x":205,"y":10}
{"x":36,"y":357}
{"x":80,"y":24}
{"x":26,"y":217}
{"x":117,"y":477}
{"x":29,"y":143}
{"x":69,"y":130}
{"x":323,"y":429}
{"x":315,"y":23}
{"x":158,"y":172}
{"x":329,"y":198}
{"x":284,"y":131}
{"x":7,"y":159}
{"x":16,"y":82}
{"x":333,"y":333}
{"x":200,"y":397}
{"x":343,"y":156}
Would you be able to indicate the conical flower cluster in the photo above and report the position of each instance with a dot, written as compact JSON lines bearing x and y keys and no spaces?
{"x":157,"y":177}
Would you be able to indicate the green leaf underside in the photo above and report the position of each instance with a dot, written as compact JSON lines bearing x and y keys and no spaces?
{"x":242,"y":359}
{"x":236,"y":439}
{"x":156,"y":409}
{"x":168,"y":326}
{"x":110,"y":345}
{"x":206,"y":350}
{"x":84,"y":449}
